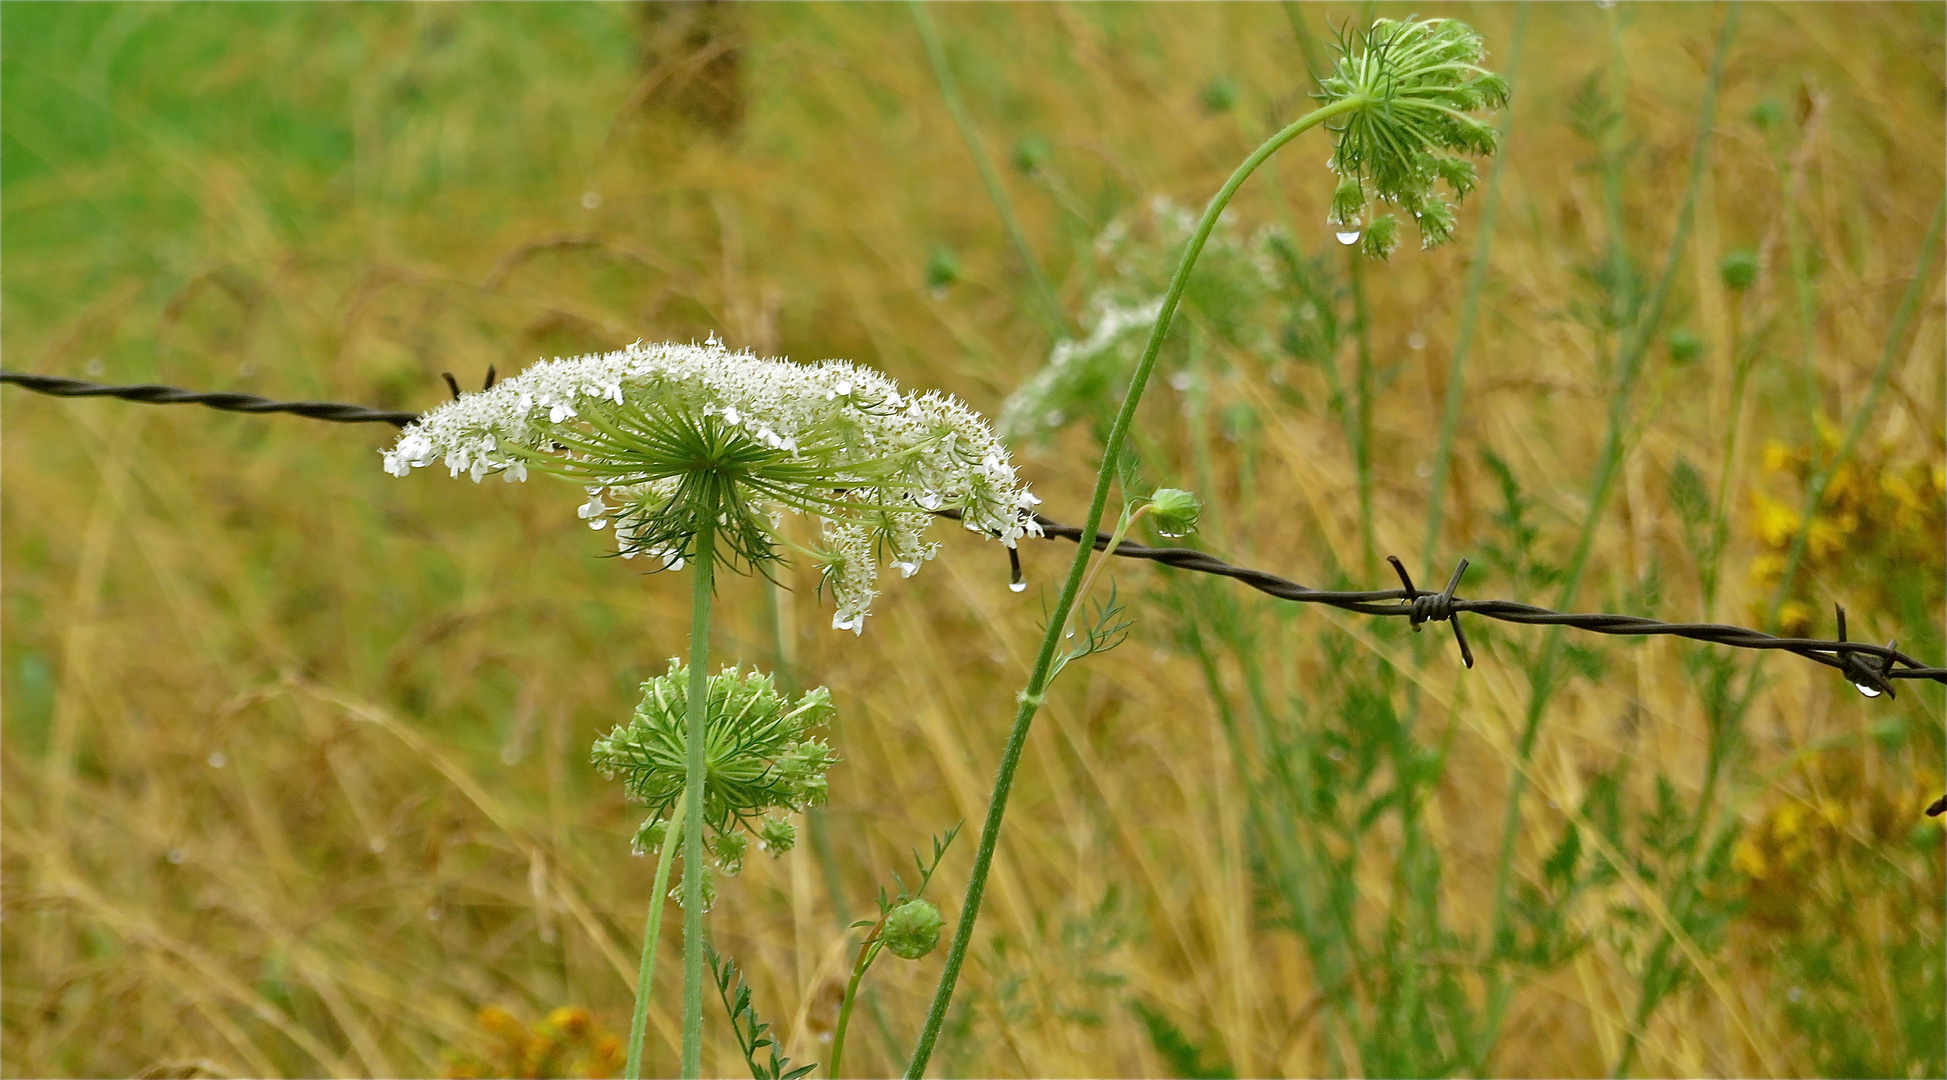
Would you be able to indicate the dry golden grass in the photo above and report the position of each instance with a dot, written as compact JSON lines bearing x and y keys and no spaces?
{"x":295,"y":753}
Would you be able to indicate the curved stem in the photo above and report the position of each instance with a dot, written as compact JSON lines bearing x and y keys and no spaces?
{"x":1030,"y":697}
{"x":693,"y":871}
{"x":646,"y":974}
{"x":868,"y":951}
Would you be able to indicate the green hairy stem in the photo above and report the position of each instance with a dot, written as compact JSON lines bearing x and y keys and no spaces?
{"x":1044,"y":663}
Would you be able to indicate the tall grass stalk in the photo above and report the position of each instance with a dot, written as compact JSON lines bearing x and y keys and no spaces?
{"x":1470,"y":306}
{"x":1037,"y":686}
{"x":1631,"y":351}
{"x":1044,"y":294}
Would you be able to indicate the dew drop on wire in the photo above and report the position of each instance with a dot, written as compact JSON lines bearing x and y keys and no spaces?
{"x":1017,"y":586}
{"x":1348,"y":238}
{"x":1864,"y":690}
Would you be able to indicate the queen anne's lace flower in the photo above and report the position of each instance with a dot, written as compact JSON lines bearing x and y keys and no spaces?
{"x":662,"y":435}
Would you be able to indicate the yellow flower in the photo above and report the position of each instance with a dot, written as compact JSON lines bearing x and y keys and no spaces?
{"x":1748,"y":860}
{"x":1794,"y":618}
{"x":1826,"y":539}
{"x":1775,"y":523}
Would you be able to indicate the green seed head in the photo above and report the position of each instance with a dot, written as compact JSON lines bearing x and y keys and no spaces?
{"x":1414,"y":84}
{"x":1175,"y":511}
{"x":760,"y":757}
{"x":1739,"y":269}
{"x":912,"y":929}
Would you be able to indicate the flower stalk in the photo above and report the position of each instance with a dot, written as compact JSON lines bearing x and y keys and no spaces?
{"x":1044,"y":661}
{"x":692,"y":812}
{"x":1400,"y":102}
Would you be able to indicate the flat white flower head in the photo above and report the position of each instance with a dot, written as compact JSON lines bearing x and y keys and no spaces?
{"x":667,"y":438}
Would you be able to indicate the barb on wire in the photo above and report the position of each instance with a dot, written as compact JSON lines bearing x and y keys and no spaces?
{"x":1869,"y":667}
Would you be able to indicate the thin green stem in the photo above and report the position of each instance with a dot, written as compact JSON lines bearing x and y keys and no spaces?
{"x":693,"y":871}
{"x":1031,"y":696}
{"x":949,"y":90}
{"x":1470,"y":310}
{"x":868,"y":951}
{"x":1541,"y":683}
{"x":645,"y":975}
{"x":1362,"y":388}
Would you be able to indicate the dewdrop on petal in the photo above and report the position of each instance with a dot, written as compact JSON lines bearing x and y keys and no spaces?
{"x":657,"y":433}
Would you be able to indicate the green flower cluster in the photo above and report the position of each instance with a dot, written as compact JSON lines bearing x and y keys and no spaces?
{"x":1417,"y":81}
{"x":758,"y":756}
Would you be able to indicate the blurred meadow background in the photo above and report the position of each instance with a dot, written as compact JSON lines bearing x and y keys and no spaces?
{"x":295,"y":753}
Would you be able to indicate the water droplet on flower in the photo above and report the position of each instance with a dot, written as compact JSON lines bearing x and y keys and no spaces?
{"x":1348,"y":238}
{"x":218,"y":759}
{"x":1865,"y":691}
{"x":591,"y":199}
{"x":1017,"y":586}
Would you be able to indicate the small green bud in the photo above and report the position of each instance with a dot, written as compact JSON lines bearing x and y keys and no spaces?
{"x":912,"y":929}
{"x":1382,"y":236}
{"x":777,"y":836}
{"x":650,"y":836}
{"x":1347,"y":201}
{"x":1685,"y":346}
{"x":1436,"y":222}
{"x":1220,"y":96}
{"x":1175,"y":511}
{"x":709,"y":888}
{"x":729,"y":848}
{"x":1739,"y":269}
{"x":1031,"y":152}
{"x":942,"y":270}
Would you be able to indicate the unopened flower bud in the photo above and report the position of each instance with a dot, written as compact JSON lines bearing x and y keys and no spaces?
{"x":1175,"y":511}
{"x":777,"y":836}
{"x":729,"y":847}
{"x":912,"y":929}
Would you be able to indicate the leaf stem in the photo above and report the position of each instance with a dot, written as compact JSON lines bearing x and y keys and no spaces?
{"x":1030,"y":697}
{"x":868,"y":951}
{"x":646,"y":974}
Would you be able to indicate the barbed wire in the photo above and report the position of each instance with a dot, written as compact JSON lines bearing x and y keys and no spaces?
{"x":1871,"y":668}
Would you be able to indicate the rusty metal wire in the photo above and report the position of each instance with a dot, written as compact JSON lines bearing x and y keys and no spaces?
{"x":1872,"y":668}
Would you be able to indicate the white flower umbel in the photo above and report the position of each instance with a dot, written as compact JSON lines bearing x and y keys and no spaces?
{"x":660,"y":434}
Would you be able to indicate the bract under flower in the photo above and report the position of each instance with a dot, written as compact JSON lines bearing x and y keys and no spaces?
{"x":663,"y":435}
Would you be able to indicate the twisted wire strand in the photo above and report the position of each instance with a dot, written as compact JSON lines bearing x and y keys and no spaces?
{"x":1870,"y":667}
{"x":153,"y":394}
{"x":1864,"y":662}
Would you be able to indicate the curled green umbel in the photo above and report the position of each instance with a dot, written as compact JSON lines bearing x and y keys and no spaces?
{"x":760,"y":761}
{"x":1415,"y":82}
